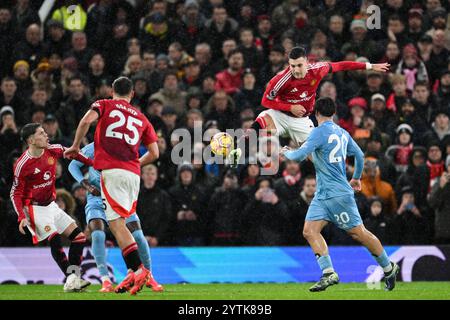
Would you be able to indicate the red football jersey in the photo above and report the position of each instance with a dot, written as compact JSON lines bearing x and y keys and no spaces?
{"x":284,"y":90}
{"x":119,"y":132}
{"x":35,"y":177}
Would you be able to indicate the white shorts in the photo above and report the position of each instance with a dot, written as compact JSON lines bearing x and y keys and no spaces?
{"x":120,"y":191}
{"x":297,"y":128}
{"x":45,"y":221}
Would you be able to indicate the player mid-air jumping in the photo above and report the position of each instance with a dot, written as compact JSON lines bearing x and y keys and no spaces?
{"x":334,"y":199}
{"x":290,"y":96}
{"x":119,"y":132}
{"x":33,"y":197}
{"x":96,"y":219}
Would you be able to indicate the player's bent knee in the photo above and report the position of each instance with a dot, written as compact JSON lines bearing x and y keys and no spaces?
{"x":96,"y":224}
{"x":133,"y":226}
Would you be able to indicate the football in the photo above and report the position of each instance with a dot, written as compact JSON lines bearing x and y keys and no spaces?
{"x":221,"y":144}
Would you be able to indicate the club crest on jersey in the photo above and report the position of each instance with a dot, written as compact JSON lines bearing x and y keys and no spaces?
{"x":47,"y":175}
{"x":313,"y":82}
{"x":47,"y":228}
{"x":51,"y":160}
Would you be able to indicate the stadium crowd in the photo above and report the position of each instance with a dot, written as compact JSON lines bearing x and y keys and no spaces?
{"x":204,"y":64}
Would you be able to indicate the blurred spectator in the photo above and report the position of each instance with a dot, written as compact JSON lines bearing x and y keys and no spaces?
{"x":58,"y":39}
{"x":80,"y":51}
{"x":357,"y":107}
{"x":276,"y":64}
{"x":217,"y":29}
{"x":435,"y":163}
{"x":154,"y":208}
{"x":74,"y":107}
{"x":416,"y":176}
{"x":253,"y":58}
{"x":189,"y":209}
{"x":423,"y":100}
{"x":170,"y":94}
{"x":24,"y":84}
{"x":224,"y":221}
{"x":157,"y":33}
{"x":440,"y":128}
{"x":9,"y":96}
{"x":178,"y":58}
{"x":372,"y":185}
{"x":221,"y":107}
{"x":399,"y":152}
{"x":265,"y":217}
{"x":249,"y":95}
{"x":9,"y":133}
{"x":440,"y":201}
{"x":409,"y":223}
{"x":377,"y":222}
{"x":228,"y":46}
{"x":230,"y":79}
{"x":30,"y":49}
{"x":384,"y":118}
{"x":412,"y":67}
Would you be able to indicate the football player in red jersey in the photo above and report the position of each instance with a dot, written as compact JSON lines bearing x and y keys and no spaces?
{"x":33,"y":197}
{"x":119,"y":132}
{"x":290,"y":96}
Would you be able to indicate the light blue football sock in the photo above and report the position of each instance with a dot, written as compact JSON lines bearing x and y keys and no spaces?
{"x":383,"y":261}
{"x":143,"y":248}
{"x":99,"y":251}
{"x":325,"y":264}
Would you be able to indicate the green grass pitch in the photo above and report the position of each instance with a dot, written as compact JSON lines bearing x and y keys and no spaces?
{"x":289,"y":291}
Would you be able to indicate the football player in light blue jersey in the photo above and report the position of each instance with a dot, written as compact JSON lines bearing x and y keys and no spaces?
{"x":334,"y":199}
{"x":96,"y":219}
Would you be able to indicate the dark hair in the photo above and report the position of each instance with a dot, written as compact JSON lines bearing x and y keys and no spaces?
{"x":122,"y":86}
{"x":297,"y":52}
{"x":234,"y":51}
{"x":77,"y":77}
{"x":395,"y":17}
{"x":421,"y":83}
{"x":325,"y":107}
{"x":28,"y":130}
{"x":310,"y":177}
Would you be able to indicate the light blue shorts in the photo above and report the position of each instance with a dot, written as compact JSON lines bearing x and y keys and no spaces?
{"x":95,"y":210}
{"x":342,"y":211}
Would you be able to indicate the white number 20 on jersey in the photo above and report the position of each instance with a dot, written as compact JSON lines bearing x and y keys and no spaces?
{"x":341,"y":144}
{"x":131,"y":126}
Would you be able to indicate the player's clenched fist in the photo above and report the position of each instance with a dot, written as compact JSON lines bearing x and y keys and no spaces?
{"x":356,"y":184}
{"x":298,"y":110}
{"x":71,"y":153}
{"x":22,"y":225}
{"x":89,"y":187}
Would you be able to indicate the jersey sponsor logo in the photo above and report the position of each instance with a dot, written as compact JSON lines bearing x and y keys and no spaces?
{"x":303,"y":94}
{"x":43,"y":185}
{"x":47,"y":175}
{"x":36,"y":171}
{"x":51,"y":160}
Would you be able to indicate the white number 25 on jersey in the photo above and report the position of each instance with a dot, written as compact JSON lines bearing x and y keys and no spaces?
{"x":131,"y":126}
{"x":340,"y":145}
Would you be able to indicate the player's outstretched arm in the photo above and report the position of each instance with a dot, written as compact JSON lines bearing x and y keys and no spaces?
{"x":306,"y":149}
{"x":151,"y":155}
{"x":352,"y":65}
{"x":82,"y":129}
